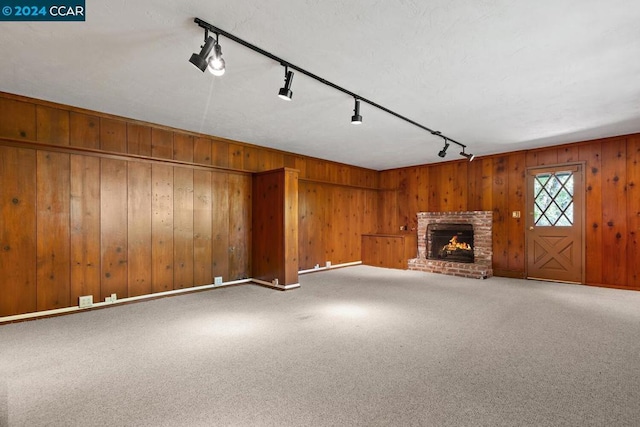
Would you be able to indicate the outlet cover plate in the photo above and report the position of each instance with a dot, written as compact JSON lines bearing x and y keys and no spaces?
{"x":217,"y":280}
{"x":85,"y":301}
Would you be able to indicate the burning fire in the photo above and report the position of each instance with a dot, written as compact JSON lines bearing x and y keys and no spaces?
{"x":454,"y":245}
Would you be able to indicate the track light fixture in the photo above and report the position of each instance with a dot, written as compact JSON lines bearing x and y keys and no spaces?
{"x":356,"y":119}
{"x":285,"y":91}
{"x":200,"y":59}
{"x":443,"y":152}
{"x":469,"y":156}
{"x":217,"y":66}
{"x":215,"y":63}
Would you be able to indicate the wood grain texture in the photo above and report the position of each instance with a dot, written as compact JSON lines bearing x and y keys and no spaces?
{"x":113,"y":228}
{"x":182,"y":227}
{"x":162,"y":228}
{"x":202,"y":150}
{"x":138,"y":139}
{"x":84,"y":130}
{"x":614,"y":218}
{"x":161,"y":143}
{"x":52,"y":125}
{"x":139,"y":201}
{"x":592,"y":156}
{"x":268,"y":230}
{"x":202,"y":228}
{"x":220,"y":225}
{"x":183,"y":147}
{"x":113,"y":135}
{"x":239,"y":226}
{"x":633,"y":211}
{"x":18,"y":231}
{"x":53,"y":251}
{"x":388,"y":251}
{"x":85,"y":227}
{"x":17,"y":119}
{"x":516,"y":203}
{"x":500,"y":213}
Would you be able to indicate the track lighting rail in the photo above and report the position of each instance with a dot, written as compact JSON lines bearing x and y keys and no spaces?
{"x":218,"y":31}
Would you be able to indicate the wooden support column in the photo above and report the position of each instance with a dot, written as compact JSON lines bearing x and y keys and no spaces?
{"x":275,"y":228}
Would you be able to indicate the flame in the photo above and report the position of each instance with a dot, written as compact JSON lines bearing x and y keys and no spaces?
{"x":454,"y":244}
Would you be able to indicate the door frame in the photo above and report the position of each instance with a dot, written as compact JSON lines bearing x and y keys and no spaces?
{"x":529,"y":217}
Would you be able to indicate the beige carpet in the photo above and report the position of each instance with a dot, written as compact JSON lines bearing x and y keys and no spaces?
{"x":360,"y":346}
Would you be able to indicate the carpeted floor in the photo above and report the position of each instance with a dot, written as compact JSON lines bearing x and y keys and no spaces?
{"x":360,"y":346}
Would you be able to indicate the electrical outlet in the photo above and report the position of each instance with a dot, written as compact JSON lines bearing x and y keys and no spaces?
{"x":107,"y":299}
{"x":217,"y":280}
{"x":114,"y":298}
{"x":328,"y":264}
{"x":275,"y":282}
{"x":86,"y":301}
{"x":317,"y":266}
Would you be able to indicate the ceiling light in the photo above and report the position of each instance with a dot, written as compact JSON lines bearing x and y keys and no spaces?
{"x":285,"y":91}
{"x":443,"y":152}
{"x":216,"y":63}
{"x":217,"y":67}
{"x":356,"y":119}
{"x":200,"y":59}
{"x":467,"y":155}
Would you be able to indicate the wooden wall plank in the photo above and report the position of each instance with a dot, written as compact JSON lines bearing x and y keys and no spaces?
{"x":53,"y":202}
{"x":161,"y":143}
{"x":239,"y":226}
{"x":236,"y":156}
{"x":267,"y":260}
{"x":202,"y":150}
{"x":52,"y":125}
{"x":614,"y":218}
{"x":84,"y":130}
{"x":18,"y":231}
{"x":182,"y":227}
{"x":183,"y":147}
{"x":220,"y":153}
{"x":202,"y":228}
{"x":17,"y":119}
{"x":500,"y":211}
{"x":591,"y":155}
{"x":633,"y":211}
{"x":311,"y":224}
{"x":139,"y":139}
{"x":113,"y":135}
{"x":139,"y":201}
{"x":162,"y":228}
{"x":113,"y":228}
{"x":85,"y":227}
{"x":516,"y":203}
{"x":220,"y":225}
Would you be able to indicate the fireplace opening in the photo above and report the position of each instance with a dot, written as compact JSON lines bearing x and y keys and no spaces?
{"x":450,"y":242}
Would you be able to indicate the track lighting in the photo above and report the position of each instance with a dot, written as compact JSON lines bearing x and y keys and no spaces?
{"x":200,"y":59}
{"x":356,"y":119}
{"x":443,"y":152}
{"x":216,"y":63}
{"x":285,"y":91}
{"x":467,"y":155}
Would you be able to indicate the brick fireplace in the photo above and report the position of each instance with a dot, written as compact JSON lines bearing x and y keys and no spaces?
{"x":480,"y":268}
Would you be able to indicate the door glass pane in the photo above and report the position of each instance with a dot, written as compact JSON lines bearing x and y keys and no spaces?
{"x":553,"y":199}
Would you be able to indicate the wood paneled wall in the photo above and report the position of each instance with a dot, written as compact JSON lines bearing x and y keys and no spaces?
{"x":332,"y":221}
{"x":94,"y":204}
{"x":497,"y":183}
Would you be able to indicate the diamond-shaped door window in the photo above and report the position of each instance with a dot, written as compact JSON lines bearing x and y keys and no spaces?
{"x":553,"y":199}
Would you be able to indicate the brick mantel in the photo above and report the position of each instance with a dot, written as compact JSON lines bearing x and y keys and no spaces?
{"x":482,"y":222}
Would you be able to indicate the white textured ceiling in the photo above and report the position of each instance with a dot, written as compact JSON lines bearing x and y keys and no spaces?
{"x":496,"y":75}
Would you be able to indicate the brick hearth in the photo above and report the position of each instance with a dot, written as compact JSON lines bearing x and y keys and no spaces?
{"x":482,"y":222}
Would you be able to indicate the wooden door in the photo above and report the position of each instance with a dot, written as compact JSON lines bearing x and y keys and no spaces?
{"x":555,"y":223}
